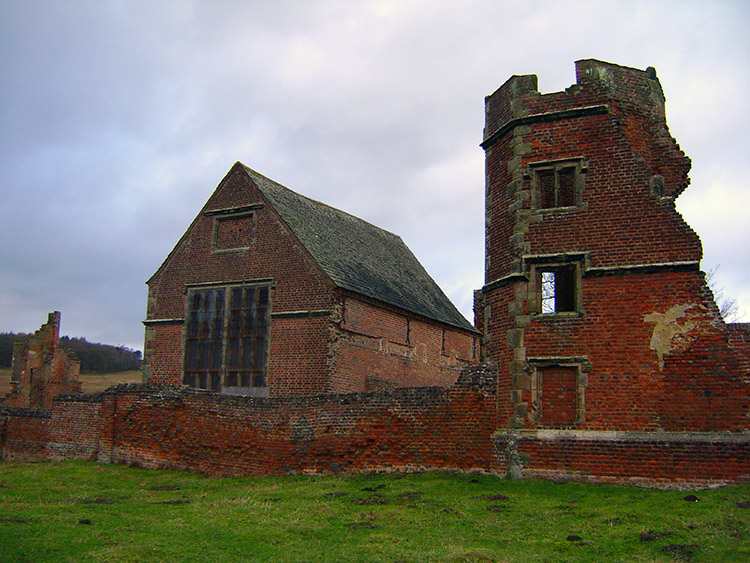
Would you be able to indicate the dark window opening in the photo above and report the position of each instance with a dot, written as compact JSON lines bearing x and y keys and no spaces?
{"x":227,"y":337}
{"x":556,"y":187}
{"x":558,"y":289}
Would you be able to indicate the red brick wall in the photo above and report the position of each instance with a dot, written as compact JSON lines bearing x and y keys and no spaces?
{"x":652,"y":351}
{"x":75,"y":428}
{"x":298,"y":363}
{"x":308,"y":354}
{"x":668,"y":461}
{"x":24,"y":433}
{"x":558,"y":389}
{"x":163,"y":354}
{"x":428,"y":428}
{"x":374,"y":347}
{"x":405,"y":429}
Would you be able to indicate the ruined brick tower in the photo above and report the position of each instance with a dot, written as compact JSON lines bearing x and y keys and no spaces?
{"x":42,"y":370}
{"x":594,"y":306}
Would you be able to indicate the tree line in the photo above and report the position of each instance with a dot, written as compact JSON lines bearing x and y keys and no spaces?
{"x":95,"y":357}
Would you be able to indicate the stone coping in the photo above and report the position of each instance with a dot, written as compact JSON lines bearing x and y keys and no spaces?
{"x":742,"y":437}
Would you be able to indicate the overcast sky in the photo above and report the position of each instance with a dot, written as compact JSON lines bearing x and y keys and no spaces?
{"x":118,"y":119}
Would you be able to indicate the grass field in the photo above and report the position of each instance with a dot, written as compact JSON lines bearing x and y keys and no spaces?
{"x":92,"y":382}
{"x":78,"y":511}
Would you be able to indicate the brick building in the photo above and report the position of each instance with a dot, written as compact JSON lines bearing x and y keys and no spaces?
{"x":594,"y":306}
{"x":269,"y":293}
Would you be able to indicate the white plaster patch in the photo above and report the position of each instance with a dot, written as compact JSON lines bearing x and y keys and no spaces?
{"x":668,"y":330}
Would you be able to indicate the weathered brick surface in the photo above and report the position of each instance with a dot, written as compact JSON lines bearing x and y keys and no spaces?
{"x":645,"y":339}
{"x":405,"y":429}
{"x":75,"y":428}
{"x":376,"y":348}
{"x":663,"y":460}
{"x":323,"y":339}
{"x":176,"y":427}
{"x":24,"y":433}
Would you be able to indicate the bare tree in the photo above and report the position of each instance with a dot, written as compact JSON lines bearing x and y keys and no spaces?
{"x":728,"y":307}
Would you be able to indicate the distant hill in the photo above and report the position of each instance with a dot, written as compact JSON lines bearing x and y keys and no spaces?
{"x":95,"y":357}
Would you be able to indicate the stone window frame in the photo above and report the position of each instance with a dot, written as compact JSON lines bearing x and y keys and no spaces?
{"x":534,"y":171}
{"x":536,"y":365}
{"x":230,"y":213}
{"x":226,"y":218}
{"x":222,"y":369}
{"x":536,"y":266}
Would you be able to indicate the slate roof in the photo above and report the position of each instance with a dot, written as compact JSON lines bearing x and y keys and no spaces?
{"x":359,"y":256}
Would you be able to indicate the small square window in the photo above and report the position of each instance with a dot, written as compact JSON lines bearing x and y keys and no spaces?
{"x":234,"y":233}
{"x":557,"y":183}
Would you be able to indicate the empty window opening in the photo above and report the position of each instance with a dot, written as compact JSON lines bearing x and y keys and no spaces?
{"x":558,"y":289}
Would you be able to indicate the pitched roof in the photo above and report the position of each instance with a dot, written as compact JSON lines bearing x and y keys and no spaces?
{"x":359,"y":256}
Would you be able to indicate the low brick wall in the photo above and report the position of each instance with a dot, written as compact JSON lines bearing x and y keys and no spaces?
{"x":399,"y":430}
{"x":182,"y":428}
{"x":24,"y":433}
{"x":427,"y":428}
{"x":655,"y":459}
{"x":75,"y":427}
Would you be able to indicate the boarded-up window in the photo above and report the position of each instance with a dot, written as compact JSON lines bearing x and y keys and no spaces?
{"x":204,"y":339}
{"x":234,"y":232}
{"x":227,"y":337}
{"x":559,"y":404}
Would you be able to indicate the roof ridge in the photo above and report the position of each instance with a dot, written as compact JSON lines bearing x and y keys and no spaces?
{"x":318,"y":202}
{"x":358,"y":255}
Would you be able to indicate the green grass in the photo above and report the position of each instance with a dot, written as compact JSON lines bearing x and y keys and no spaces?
{"x":77,"y":511}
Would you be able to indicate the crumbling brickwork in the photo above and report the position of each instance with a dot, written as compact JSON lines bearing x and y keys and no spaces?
{"x":594,"y":307}
{"x":41,"y":370}
{"x":182,"y":428}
